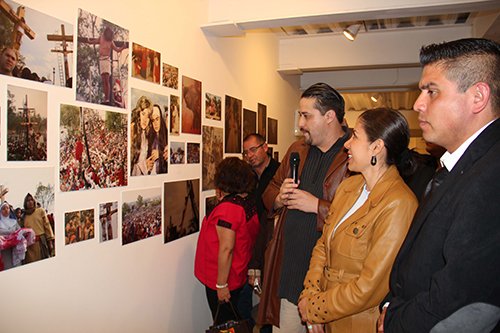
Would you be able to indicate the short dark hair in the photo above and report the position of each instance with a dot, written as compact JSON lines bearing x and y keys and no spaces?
{"x":234,"y":176}
{"x":257,"y":136}
{"x":466,"y":62}
{"x":327,"y":99}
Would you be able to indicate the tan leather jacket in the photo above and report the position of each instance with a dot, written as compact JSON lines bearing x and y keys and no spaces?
{"x":269,"y":306}
{"x":349,"y":270}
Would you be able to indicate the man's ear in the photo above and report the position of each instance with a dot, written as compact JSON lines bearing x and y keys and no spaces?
{"x":330,"y":115}
{"x":481,"y":93}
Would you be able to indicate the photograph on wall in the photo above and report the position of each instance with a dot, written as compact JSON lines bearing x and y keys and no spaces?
{"x":141,"y":214}
{"x":26,"y":124}
{"x":93,"y":149}
{"x":211,"y":155}
{"x":232,"y":125}
{"x":78,"y":226}
{"x":261,"y":119}
{"x":210,"y":203}
{"x":193,"y":153}
{"x":249,"y":122}
{"x":108,"y":218}
{"x":213,"y":106}
{"x":276,"y":156}
{"x":182,"y":209}
{"x":27,"y":223}
{"x":148,"y":134}
{"x":175,"y":115}
{"x":35,"y":46}
{"x":191,"y":105}
{"x":170,"y":76}
{"x":272,"y":131}
{"x":177,"y":153}
{"x":101,"y":61}
{"x":145,"y":63}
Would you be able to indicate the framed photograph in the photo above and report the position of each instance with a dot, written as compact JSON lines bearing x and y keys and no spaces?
{"x":108,"y":218}
{"x":191,"y":105}
{"x":210,"y":203}
{"x":272,"y":131}
{"x":213,"y":106}
{"x":211,"y":155}
{"x":232,"y":125}
{"x":193,"y":153}
{"x":276,"y":156}
{"x":78,"y":226}
{"x":170,"y":76}
{"x":249,"y":122}
{"x":145,"y":63}
{"x":175,"y":115}
{"x":177,"y":153}
{"x":261,"y":119}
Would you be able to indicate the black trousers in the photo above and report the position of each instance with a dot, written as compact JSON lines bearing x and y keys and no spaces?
{"x":225,"y":311}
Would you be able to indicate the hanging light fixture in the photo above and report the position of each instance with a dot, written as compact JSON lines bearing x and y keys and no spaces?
{"x":352,"y":31}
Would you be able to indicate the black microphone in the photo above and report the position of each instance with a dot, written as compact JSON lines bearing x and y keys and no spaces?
{"x":294,"y":166}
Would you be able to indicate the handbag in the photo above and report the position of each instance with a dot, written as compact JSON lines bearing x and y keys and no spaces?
{"x":231,"y":326}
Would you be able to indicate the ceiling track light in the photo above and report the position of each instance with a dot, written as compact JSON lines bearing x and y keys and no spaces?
{"x":352,"y":31}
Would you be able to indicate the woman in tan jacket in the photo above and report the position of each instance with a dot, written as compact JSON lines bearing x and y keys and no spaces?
{"x":371,"y":212}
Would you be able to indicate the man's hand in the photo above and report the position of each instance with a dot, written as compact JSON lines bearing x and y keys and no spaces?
{"x":286,"y":189}
{"x":380,"y":321}
{"x":303,"y":201}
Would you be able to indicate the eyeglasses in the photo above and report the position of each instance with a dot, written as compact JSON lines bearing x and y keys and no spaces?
{"x":252,"y":150}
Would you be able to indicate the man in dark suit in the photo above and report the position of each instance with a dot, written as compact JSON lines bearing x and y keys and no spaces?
{"x":446,"y":275}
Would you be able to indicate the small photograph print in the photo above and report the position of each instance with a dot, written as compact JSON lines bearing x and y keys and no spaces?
{"x":177,"y":153}
{"x":270,"y":151}
{"x":145,"y":63}
{"x":272,"y":131}
{"x":101,"y":61}
{"x":193,"y":153}
{"x":26,"y":124}
{"x":149,"y":134}
{"x":175,"y":115}
{"x":35,"y":46}
{"x":191,"y":105}
{"x":232,"y":125}
{"x":211,"y":155}
{"x":27,"y":215}
{"x":261,"y":119}
{"x":170,"y":77}
{"x":276,"y":156}
{"x":93,"y":149}
{"x":78,"y":226}
{"x":249,"y":122}
{"x":213,"y":107}
{"x":108,"y":218}
{"x":210,"y":203}
{"x":141,"y":214}
{"x":182,"y":208}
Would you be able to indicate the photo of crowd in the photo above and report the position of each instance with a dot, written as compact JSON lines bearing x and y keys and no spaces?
{"x":145,"y":63}
{"x":78,"y":226}
{"x":213,"y":106}
{"x":181,"y":207}
{"x":93,"y":149}
{"x":211,"y":155}
{"x":108,"y":217}
{"x":193,"y":153}
{"x":175,"y":115}
{"x":141,"y":214}
{"x":232,"y":126}
{"x":177,"y":153}
{"x":148,"y":134}
{"x":26,"y":216}
{"x":26,"y":124}
{"x":102,"y":61}
{"x":35,"y":52}
{"x":170,"y":76}
{"x":191,"y":105}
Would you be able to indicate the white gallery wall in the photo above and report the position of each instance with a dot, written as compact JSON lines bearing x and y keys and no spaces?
{"x":145,"y":286}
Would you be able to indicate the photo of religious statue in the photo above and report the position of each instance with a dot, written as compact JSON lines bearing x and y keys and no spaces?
{"x":249,"y":122}
{"x":108,"y":218}
{"x":182,"y":208}
{"x":145,"y":63}
{"x":177,"y":153}
{"x":272,"y":131}
{"x":26,"y":124}
{"x":78,"y":226}
{"x":193,"y":153}
{"x":141,"y":214}
{"x":92,"y":149}
{"x":261,"y":119}
{"x":191,"y":105}
{"x":211,"y":155}
{"x":232,"y":125}
{"x":213,"y":107}
{"x":170,"y":77}
{"x":175,"y":115}
{"x":27,"y":221}
{"x":35,"y":46}
{"x":149,"y":147}
{"x":101,"y":61}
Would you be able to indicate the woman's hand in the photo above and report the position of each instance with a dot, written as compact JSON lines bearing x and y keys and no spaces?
{"x":303,"y":309}
{"x":223,"y":294}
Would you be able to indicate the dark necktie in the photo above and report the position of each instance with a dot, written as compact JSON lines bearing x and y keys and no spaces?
{"x":436,"y":181}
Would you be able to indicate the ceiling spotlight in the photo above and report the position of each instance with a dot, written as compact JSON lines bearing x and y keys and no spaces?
{"x":351,"y":31}
{"x":374,"y":98}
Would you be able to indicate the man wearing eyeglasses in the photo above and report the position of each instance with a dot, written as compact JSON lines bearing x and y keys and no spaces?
{"x":303,"y":206}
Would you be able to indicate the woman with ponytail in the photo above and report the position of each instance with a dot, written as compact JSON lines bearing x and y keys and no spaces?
{"x":368,"y":220}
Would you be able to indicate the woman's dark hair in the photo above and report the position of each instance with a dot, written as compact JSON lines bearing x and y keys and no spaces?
{"x":391,"y":127}
{"x":234,"y":176}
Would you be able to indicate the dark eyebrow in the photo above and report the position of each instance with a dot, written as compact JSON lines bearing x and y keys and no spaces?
{"x":427,"y":86}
